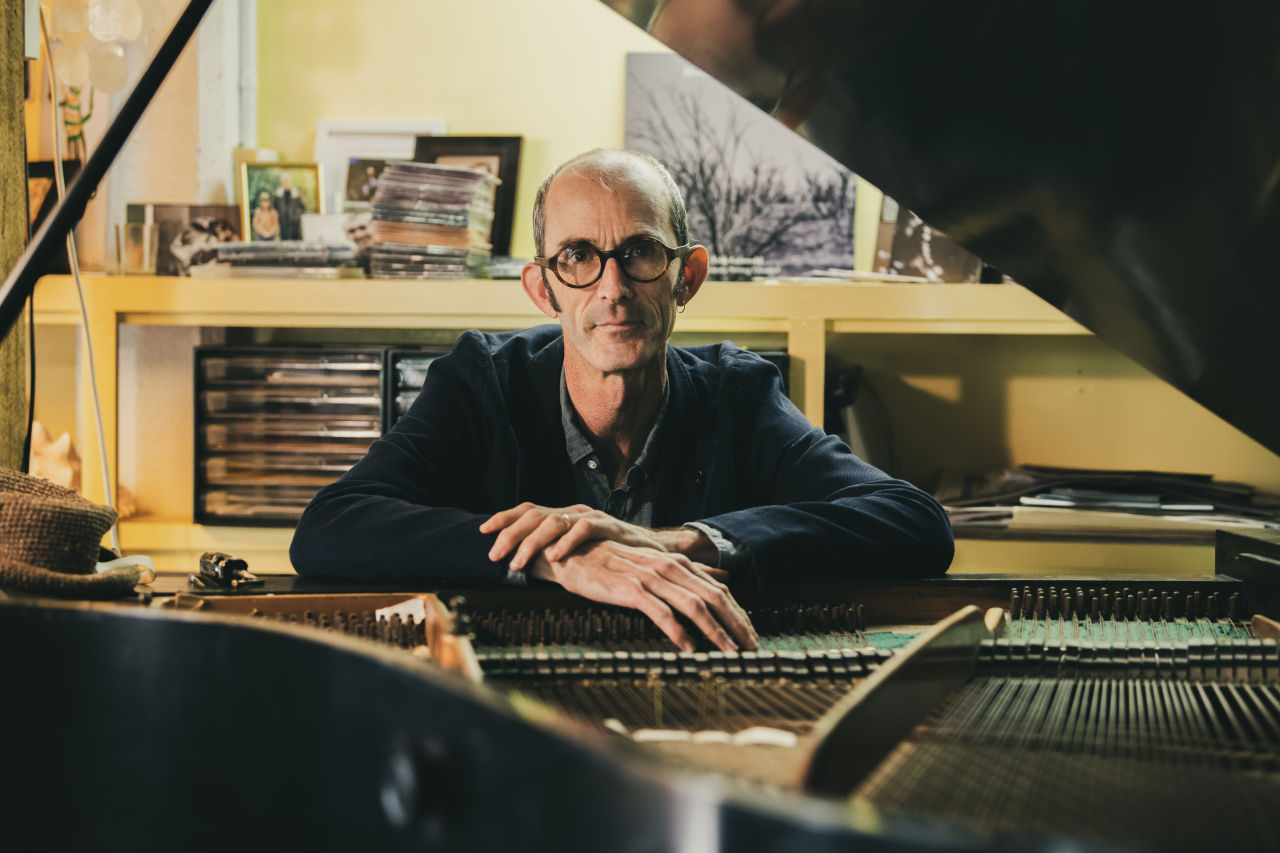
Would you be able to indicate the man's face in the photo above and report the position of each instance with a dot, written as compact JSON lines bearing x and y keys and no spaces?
{"x":616,"y":325}
{"x":358,"y":232}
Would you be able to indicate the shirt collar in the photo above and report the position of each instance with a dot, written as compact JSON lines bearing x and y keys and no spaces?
{"x":579,"y":446}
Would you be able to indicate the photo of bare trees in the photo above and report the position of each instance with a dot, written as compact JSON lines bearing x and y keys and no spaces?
{"x":764,"y":201}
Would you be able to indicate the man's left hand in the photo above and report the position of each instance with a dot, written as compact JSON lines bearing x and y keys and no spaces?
{"x":557,"y":532}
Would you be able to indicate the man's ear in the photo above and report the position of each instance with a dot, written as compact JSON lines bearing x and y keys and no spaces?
{"x":536,"y":289}
{"x":695,"y":273}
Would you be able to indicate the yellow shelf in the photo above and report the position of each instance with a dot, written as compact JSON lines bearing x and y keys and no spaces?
{"x":810,"y":317}
{"x":175,"y":545}
{"x":462,"y":304}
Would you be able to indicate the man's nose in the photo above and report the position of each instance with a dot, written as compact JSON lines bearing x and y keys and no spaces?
{"x":614,"y":284}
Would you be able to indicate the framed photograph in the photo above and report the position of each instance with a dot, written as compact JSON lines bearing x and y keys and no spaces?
{"x":340,"y":142}
{"x":42,"y":196}
{"x":275,"y":196}
{"x":499,"y":155}
{"x":187,"y":235}
{"x":362,"y":183}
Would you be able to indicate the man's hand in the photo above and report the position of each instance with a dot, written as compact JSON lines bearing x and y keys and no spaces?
{"x":657,"y":584}
{"x":529,"y":529}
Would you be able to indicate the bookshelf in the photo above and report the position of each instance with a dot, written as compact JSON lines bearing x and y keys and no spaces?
{"x":948,"y":359}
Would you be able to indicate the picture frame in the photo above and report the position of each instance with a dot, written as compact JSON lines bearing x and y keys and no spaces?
{"x":339,"y":142}
{"x":361,"y":183}
{"x":500,"y":155}
{"x":187,"y":235}
{"x":274,"y":196}
{"x":42,"y":195}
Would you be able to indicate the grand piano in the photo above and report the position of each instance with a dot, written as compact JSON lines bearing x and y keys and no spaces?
{"x":1122,"y":161}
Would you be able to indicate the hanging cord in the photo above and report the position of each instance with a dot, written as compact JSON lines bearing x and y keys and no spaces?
{"x":31,"y":342}
{"x":31,"y":378}
{"x":75,"y":271}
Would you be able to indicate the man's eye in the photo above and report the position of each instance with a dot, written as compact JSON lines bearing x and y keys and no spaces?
{"x":641,"y":249}
{"x":576,"y":255}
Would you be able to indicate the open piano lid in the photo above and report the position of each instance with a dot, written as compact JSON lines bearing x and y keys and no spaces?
{"x":1121,"y":160}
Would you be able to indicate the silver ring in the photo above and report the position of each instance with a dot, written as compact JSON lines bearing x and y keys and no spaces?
{"x":568,"y":525}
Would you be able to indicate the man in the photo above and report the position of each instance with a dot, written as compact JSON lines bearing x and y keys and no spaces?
{"x":595,"y":456}
{"x":289,"y":207}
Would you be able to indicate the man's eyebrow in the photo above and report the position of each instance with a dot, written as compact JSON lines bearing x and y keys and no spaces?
{"x":574,"y":241}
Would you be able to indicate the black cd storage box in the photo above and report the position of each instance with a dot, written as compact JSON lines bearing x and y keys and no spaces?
{"x":273,"y":425}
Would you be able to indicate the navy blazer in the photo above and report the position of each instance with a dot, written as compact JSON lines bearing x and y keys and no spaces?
{"x":485,"y":434}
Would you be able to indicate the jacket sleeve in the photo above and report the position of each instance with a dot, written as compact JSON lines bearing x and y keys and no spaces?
{"x":411,"y":509}
{"x":820,"y":510}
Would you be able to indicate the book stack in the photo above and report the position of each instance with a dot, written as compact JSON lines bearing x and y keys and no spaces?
{"x":283,"y":259}
{"x":432,"y":221}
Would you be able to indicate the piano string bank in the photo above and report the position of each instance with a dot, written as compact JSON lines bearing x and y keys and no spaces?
{"x":981,"y":708}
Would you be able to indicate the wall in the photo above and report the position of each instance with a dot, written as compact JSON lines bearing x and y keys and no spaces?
{"x":552,"y":71}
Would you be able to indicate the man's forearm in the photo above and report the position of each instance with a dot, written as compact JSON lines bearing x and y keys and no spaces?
{"x":694,"y":544}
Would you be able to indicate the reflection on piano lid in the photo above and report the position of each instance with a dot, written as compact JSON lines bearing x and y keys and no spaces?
{"x":1122,"y":160}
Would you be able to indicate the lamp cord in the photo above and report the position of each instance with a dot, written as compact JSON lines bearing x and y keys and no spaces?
{"x":74,"y":263}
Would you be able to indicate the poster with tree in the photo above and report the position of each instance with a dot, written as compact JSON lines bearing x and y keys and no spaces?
{"x":764,"y":201}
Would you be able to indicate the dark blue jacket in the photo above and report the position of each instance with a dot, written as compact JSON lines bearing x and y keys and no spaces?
{"x":485,"y":434}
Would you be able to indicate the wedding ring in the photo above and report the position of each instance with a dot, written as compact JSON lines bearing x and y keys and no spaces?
{"x":564,"y":516}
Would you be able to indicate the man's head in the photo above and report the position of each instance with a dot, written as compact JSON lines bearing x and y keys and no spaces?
{"x":604,"y":201}
{"x":357,"y":228}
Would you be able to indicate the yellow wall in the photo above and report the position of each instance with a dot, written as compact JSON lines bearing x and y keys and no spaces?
{"x":552,"y":71}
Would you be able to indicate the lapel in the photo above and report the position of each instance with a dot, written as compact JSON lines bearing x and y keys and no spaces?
{"x":543,"y":474}
{"x":687,"y":443}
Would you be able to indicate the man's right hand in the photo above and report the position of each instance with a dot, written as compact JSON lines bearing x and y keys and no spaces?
{"x":656,"y":583}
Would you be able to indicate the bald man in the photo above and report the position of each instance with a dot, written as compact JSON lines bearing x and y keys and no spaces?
{"x":592,"y":454}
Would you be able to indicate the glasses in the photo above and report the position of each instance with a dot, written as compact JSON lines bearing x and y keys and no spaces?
{"x":642,"y":259}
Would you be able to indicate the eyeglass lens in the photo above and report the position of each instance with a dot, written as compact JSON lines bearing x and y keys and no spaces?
{"x":581,"y":264}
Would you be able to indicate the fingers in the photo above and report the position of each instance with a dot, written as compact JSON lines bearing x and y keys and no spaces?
{"x":710,"y":606}
{"x":546,"y":530}
{"x":706,"y":586}
{"x":705,"y":601}
{"x":659,"y":584}
{"x":665,"y":618}
{"x":582,"y":529}
{"x":515,"y":526}
{"x":499,"y":520}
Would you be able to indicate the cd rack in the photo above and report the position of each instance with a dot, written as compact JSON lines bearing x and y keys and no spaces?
{"x":275,"y":424}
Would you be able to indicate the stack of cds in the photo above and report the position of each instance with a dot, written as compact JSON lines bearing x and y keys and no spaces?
{"x":284,"y":258}
{"x":432,"y":221}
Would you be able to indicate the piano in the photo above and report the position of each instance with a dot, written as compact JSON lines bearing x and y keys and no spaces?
{"x":1120,"y":160}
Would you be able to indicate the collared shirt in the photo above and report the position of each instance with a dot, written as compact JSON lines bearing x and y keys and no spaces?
{"x":633,"y":500}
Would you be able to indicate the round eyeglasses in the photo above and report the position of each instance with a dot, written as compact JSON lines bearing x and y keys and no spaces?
{"x":642,"y":259}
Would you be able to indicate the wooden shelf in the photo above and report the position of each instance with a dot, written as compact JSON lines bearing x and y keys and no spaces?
{"x":811,"y":317}
{"x":464,"y":304}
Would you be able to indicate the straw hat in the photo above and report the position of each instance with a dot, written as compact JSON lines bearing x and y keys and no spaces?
{"x":50,"y":541}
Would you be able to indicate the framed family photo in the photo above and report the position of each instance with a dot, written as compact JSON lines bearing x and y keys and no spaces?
{"x":275,"y":196}
{"x":498,"y":155}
